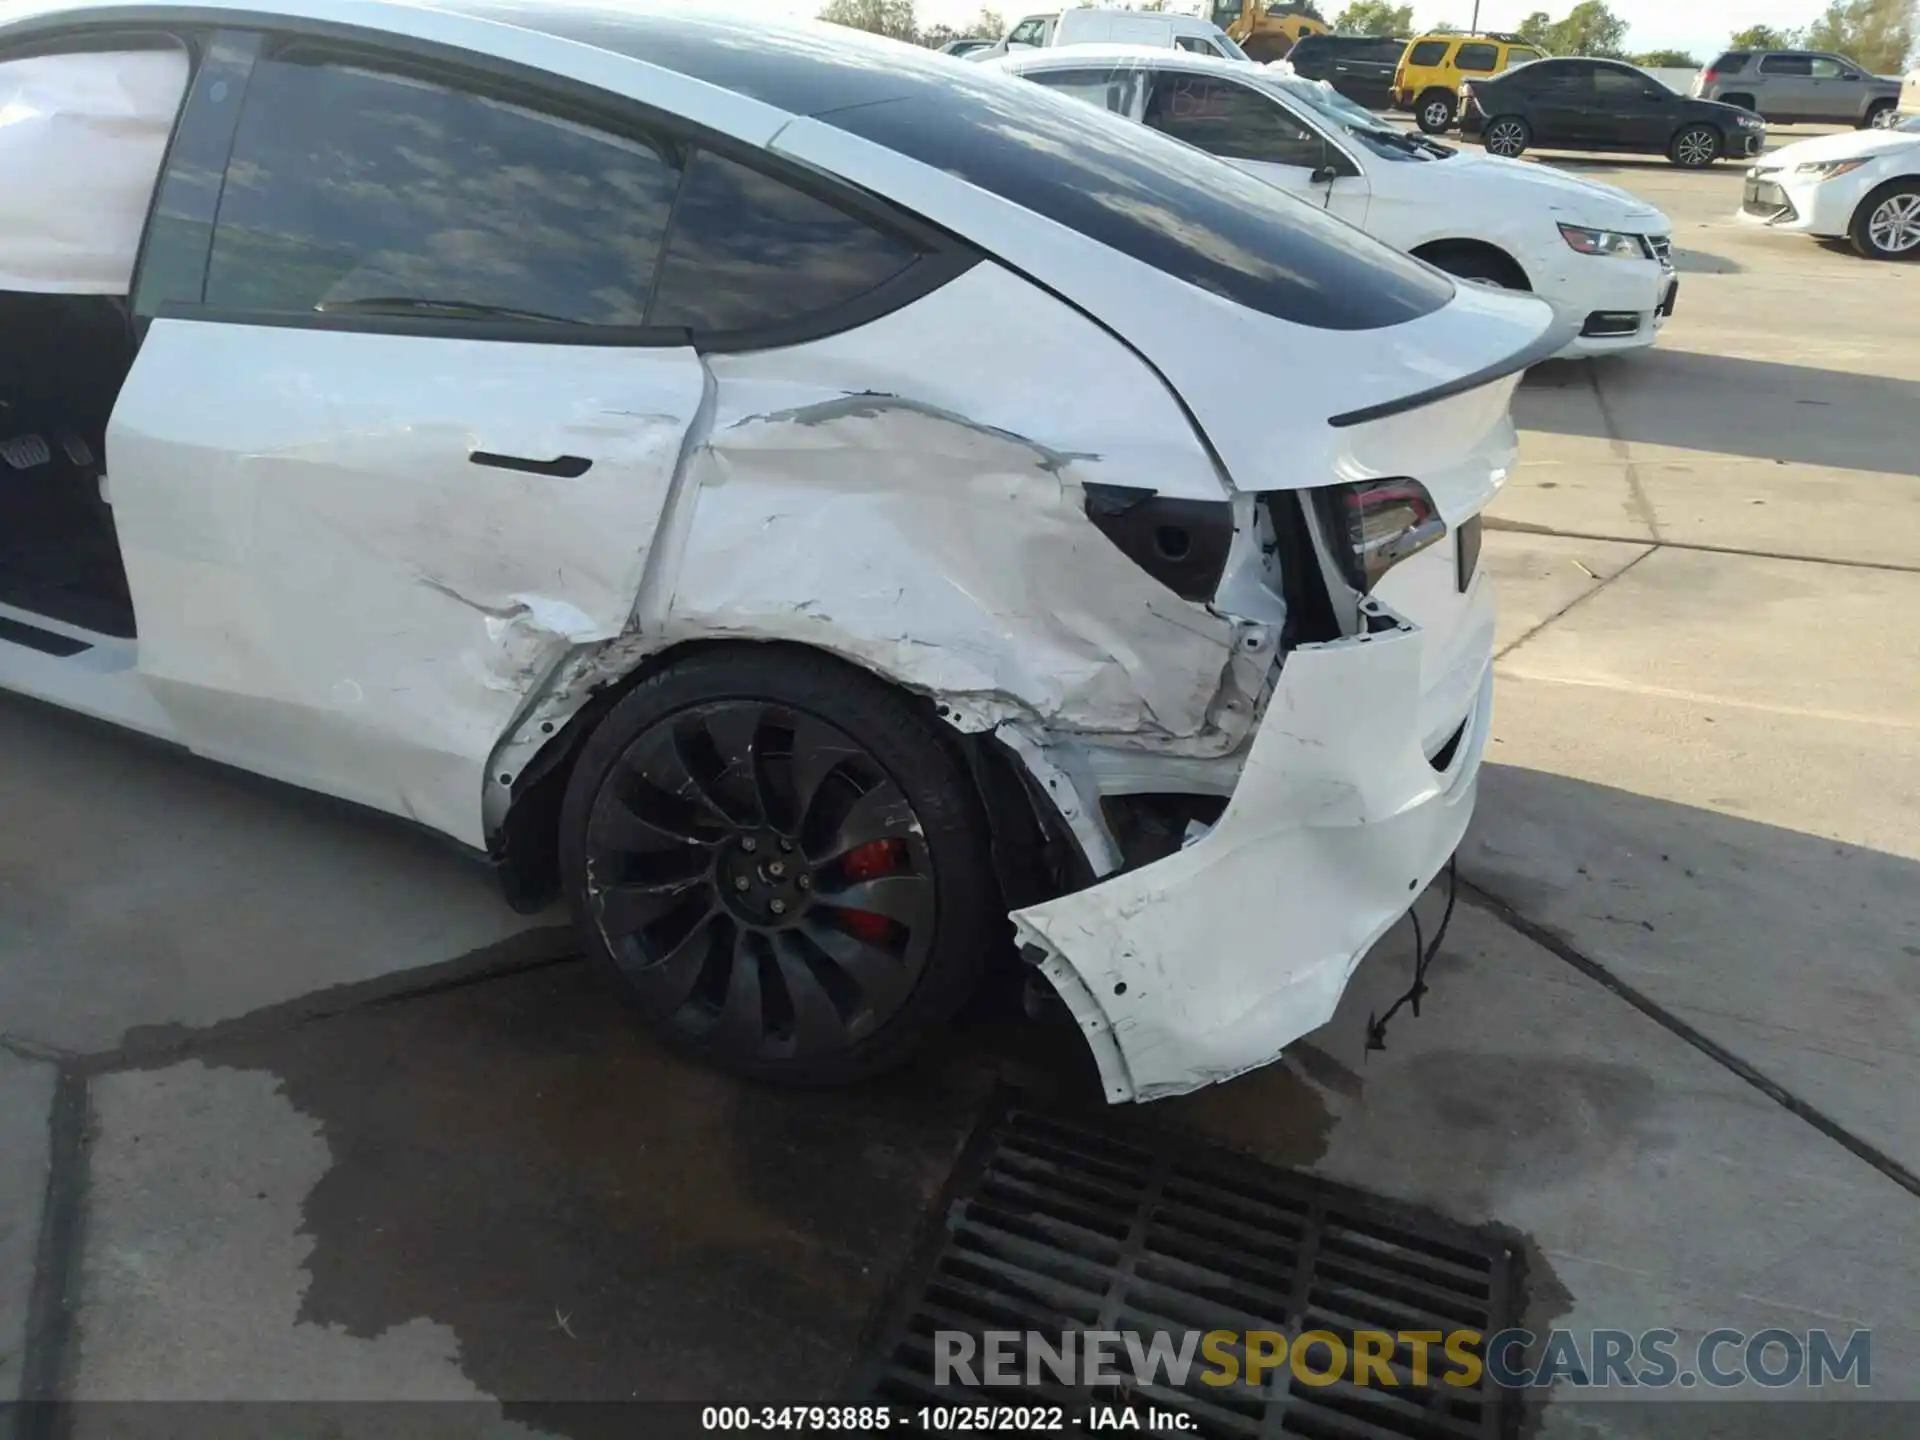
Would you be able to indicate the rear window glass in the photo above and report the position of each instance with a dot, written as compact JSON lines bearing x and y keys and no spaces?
{"x":1427,"y":52}
{"x":1477,"y":57}
{"x":1107,"y":87}
{"x":747,"y":250}
{"x":1160,"y":201}
{"x":1150,"y":197}
{"x":1732,"y":60}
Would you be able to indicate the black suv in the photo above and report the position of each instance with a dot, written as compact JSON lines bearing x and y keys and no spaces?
{"x":1603,"y":105}
{"x":1360,"y":67}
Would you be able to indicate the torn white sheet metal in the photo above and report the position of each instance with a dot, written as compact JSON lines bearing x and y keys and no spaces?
{"x":956,"y":559}
{"x":1207,"y":963}
{"x":81,"y":141}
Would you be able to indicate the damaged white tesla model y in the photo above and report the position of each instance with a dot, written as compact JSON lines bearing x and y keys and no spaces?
{"x":802,"y":498}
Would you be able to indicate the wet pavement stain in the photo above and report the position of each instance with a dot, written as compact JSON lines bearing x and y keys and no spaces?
{"x":598,"y":1220}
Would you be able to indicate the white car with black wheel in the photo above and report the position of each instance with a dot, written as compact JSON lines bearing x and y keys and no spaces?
{"x":1863,"y":185}
{"x":791,"y":494}
{"x":1602,"y":257}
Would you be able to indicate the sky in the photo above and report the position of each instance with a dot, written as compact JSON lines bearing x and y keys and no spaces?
{"x":1700,"y":26}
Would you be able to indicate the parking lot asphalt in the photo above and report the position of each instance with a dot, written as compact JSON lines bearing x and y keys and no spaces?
{"x":325,"y":1121}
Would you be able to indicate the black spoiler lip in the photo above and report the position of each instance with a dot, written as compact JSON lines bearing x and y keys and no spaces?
{"x":1550,"y":342}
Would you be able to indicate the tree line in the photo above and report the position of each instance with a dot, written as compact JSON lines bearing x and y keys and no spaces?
{"x":1878,"y":34}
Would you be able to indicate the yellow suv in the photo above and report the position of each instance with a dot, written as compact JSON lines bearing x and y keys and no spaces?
{"x":1432,"y":68}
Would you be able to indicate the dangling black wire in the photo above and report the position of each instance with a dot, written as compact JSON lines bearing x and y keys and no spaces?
{"x":1422,"y":957}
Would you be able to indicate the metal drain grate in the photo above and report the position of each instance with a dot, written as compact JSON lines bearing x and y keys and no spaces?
{"x":1052,"y":1225}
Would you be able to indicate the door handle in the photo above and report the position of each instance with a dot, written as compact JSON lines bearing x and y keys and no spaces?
{"x":564,"y":467}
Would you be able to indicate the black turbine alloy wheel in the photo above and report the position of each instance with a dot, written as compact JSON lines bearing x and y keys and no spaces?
{"x":763,"y":881}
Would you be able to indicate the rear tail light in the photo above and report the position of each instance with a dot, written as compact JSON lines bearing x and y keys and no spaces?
{"x":1376,"y":524}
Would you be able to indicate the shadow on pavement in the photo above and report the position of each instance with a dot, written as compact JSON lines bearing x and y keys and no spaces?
{"x":1726,"y":405}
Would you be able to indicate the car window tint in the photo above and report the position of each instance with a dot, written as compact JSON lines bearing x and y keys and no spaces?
{"x":1196,"y":46}
{"x":1143,"y":195}
{"x":1560,"y":80}
{"x":1427,"y":52}
{"x":1732,"y":60}
{"x":349,"y":185}
{"x":1618,"y":87}
{"x":1786,"y":65}
{"x":1480,"y":58}
{"x":1520,"y":55}
{"x":1029,"y":32}
{"x":1108,"y":88}
{"x":1230,"y":120}
{"x":748,"y":251}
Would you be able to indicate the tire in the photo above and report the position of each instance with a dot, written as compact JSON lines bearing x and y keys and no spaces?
{"x":1478,"y":266}
{"x":1695,"y":147}
{"x":1887,"y":224}
{"x":783,"y":864}
{"x":1433,"y":111}
{"x":1881,"y":115}
{"x":1506,"y":136}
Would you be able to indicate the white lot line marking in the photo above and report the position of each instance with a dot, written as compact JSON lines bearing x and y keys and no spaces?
{"x":1695,"y":697}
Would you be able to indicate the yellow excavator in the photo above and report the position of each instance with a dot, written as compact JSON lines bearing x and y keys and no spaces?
{"x":1266,"y":31}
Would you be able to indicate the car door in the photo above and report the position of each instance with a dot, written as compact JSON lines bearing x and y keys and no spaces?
{"x":1786,"y":87}
{"x":1560,"y":102}
{"x":1251,"y":129}
{"x":401,"y":437}
{"x":1629,"y":112}
{"x":1834,"y":89}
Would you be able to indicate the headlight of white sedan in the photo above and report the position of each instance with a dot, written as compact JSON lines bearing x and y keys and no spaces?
{"x":1827,"y":169}
{"x":1617,"y":243}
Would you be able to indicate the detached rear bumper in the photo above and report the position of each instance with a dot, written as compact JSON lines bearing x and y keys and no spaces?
{"x":1206,"y":964}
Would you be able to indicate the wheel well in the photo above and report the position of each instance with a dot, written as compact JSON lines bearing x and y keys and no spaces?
{"x":1437,"y":252}
{"x":1433,"y":90}
{"x":1034,"y":853}
{"x":1879,"y":192}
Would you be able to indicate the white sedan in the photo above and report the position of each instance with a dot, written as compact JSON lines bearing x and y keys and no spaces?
{"x":1862,"y":184}
{"x":790,"y":493}
{"x":1600,"y":255}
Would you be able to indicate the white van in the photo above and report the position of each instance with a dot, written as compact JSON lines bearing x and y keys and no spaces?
{"x":1115,"y":27}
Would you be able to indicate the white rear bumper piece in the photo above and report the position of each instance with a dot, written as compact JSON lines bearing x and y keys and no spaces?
{"x":1197,"y":967}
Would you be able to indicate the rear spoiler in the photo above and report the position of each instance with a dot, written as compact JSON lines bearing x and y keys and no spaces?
{"x":1550,"y":342}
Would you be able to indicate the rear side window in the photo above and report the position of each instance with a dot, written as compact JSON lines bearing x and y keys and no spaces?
{"x":1029,"y":32}
{"x":1230,"y":120}
{"x":1196,"y":46}
{"x":1619,"y":87}
{"x":1558,"y":78}
{"x":748,"y":251}
{"x":1480,"y":59}
{"x":1787,"y":65}
{"x":1427,"y":52}
{"x":353,"y":190}
{"x":1731,"y":61}
{"x":1521,"y":55}
{"x":1108,"y":88}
